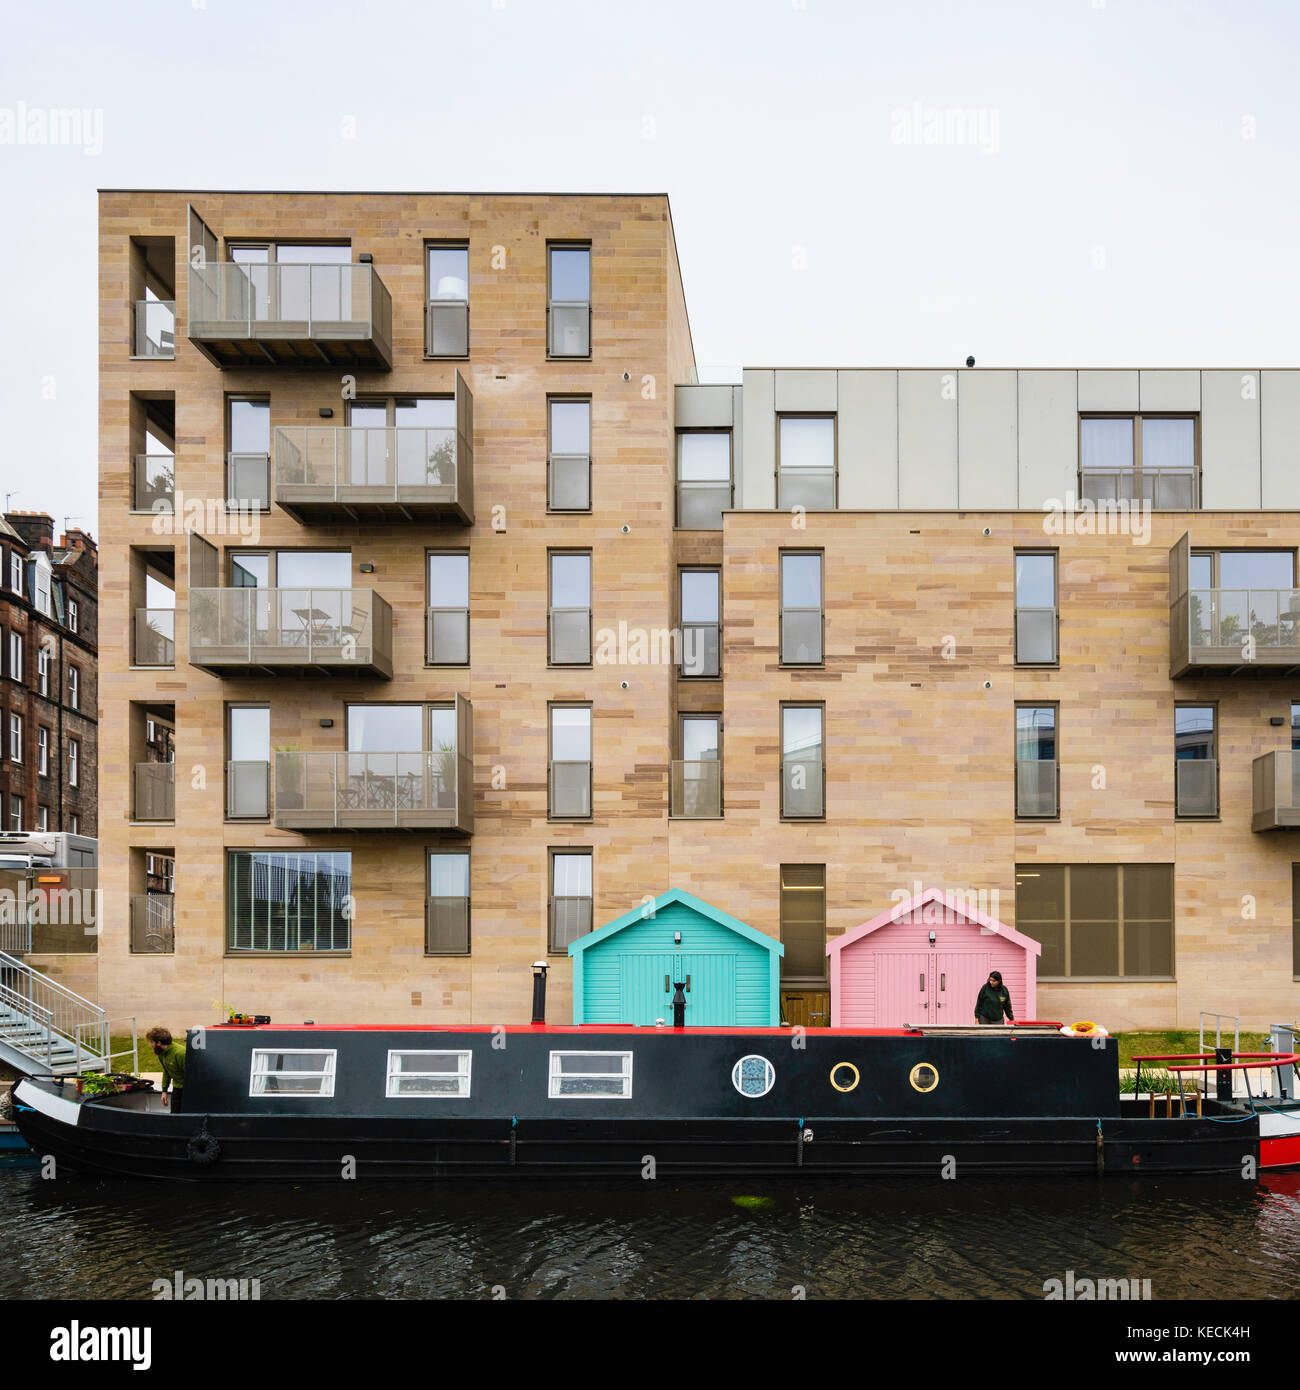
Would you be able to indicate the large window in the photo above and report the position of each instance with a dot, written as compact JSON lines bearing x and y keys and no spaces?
{"x":1037,"y":792}
{"x":568,"y":309}
{"x":803,"y":768}
{"x":288,"y":900}
{"x":248,"y":762}
{"x":802,"y":611}
{"x":447,"y":638}
{"x":1136,"y":458}
{"x":803,"y":923}
{"x":248,"y":461}
{"x":1196,"y":767}
{"x":15,"y":738}
{"x":447,"y":915}
{"x":1099,"y":921}
{"x":74,"y":688}
{"x":805,"y":462}
{"x":1241,"y":596}
{"x":16,"y":656}
{"x":569,"y":914}
{"x":1036,"y":615}
{"x":570,"y":764}
{"x":446,"y":326}
{"x":701,"y":629}
{"x":568,"y":457}
{"x":704,"y":487}
{"x":569,"y":614}
{"x":402,"y":441}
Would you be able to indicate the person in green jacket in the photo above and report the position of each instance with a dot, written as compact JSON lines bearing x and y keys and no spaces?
{"x":993,"y":1001}
{"x":171,"y":1057}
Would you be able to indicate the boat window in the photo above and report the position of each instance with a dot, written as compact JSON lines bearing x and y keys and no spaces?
{"x":428,"y":1074}
{"x":292,"y":1073}
{"x":753,"y":1076}
{"x":591,"y":1074}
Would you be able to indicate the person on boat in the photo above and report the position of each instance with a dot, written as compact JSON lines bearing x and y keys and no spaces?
{"x":171,"y":1057}
{"x":994,"y":1001}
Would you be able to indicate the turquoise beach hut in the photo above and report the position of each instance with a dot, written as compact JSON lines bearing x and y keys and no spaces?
{"x":626,"y":971}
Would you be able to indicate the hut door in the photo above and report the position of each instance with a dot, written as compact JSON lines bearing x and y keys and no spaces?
{"x":904,"y":988}
{"x":711,"y":998}
{"x":957,"y":980}
{"x":642,"y":979}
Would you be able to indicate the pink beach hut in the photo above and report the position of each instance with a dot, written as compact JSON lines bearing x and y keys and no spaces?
{"x":923,"y":961}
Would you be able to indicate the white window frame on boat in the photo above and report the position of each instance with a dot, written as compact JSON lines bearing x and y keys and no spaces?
{"x":769,"y":1075}
{"x":461,"y":1074}
{"x":326,"y":1074}
{"x":556,"y":1076}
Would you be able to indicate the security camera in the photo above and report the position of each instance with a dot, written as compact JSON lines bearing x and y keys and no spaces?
{"x":626,"y":529}
{"x":627,"y":376}
{"x":624,"y":685}
{"x":988,"y":531}
{"x":988,"y":685}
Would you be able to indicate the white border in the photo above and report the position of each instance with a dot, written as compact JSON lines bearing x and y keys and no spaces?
{"x":553,"y":1076}
{"x":326,"y":1075}
{"x":770,"y":1073}
{"x":390,"y":1075}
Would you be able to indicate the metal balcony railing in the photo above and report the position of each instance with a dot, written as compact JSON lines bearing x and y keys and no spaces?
{"x":155,"y":637}
{"x":803,"y":787}
{"x":569,"y":636}
{"x":248,"y":481}
{"x":1035,"y":636}
{"x":700,"y":505}
{"x":153,"y":483}
{"x":155,"y":792}
{"x":570,"y":790}
{"x":801,"y":636}
{"x":447,"y":636}
{"x":245,"y":630}
{"x":569,"y":921}
{"x":695,"y":792}
{"x":153,"y":924}
{"x":446,"y":328}
{"x":1166,"y":489}
{"x":374,"y":791}
{"x":568,"y":482}
{"x":1235,"y":628}
{"x":568,"y":328}
{"x":155,"y":328}
{"x":248,"y":790}
{"x":1276,"y":802}
{"x":302,"y":315}
{"x":701,"y":653}
{"x":1036,"y":789}
{"x":1196,"y":786}
{"x":446,"y":927}
{"x":813,"y":489}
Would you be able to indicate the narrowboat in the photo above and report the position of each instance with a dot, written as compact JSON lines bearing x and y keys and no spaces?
{"x":274,"y":1102}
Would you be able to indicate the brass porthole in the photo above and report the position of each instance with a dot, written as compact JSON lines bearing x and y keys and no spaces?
{"x":845,"y":1076}
{"x":924,"y":1077}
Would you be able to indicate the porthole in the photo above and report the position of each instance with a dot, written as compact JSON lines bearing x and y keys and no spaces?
{"x":845,"y":1076}
{"x":924,"y":1077}
{"x":753,"y":1076}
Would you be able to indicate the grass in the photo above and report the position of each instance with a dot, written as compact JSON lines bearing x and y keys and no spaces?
{"x":145,"y":1057}
{"x":1178,"y":1040}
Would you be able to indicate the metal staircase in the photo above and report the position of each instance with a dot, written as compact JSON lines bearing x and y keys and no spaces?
{"x":45,"y":1028}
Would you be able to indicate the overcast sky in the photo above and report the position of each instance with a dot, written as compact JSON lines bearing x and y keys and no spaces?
{"x":853,"y":182}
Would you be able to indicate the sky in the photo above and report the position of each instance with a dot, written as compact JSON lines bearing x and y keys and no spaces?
{"x":869,"y":183}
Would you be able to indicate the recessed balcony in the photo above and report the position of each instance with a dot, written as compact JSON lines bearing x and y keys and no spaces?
{"x":253,"y":631}
{"x":153,"y":924}
{"x":155,"y":792}
{"x":1276,"y":778}
{"x":295,"y":314}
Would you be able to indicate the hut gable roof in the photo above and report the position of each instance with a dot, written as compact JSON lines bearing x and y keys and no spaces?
{"x":951,"y":904}
{"x":689,"y":900}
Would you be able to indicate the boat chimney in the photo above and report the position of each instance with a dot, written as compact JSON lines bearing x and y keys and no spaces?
{"x":679,"y":1005}
{"x":539,"y":991}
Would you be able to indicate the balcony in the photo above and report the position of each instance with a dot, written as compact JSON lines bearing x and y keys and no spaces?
{"x":1276,"y":777}
{"x":296,"y":315}
{"x":695,"y":791}
{"x":154,"y":642}
{"x":446,"y":927}
{"x":701,"y":649}
{"x":155,"y":329}
{"x":153,"y":483}
{"x":365,"y":473}
{"x":251,"y":632}
{"x":570,"y":790}
{"x":801,"y":637}
{"x":1166,"y":489}
{"x":153,"y":924}
{"x":1196,"y":787}
{"x":568,"y":328}
{"x":248,"y":790}
{"x":155,"y":792}
{"x":375,"y":791}
{"x":1036,"y":797}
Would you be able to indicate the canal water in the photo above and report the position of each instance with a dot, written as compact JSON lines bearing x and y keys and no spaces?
{"x":887,"y":1238}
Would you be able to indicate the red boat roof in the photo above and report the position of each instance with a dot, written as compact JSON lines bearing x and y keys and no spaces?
{"x":570,"y":1028}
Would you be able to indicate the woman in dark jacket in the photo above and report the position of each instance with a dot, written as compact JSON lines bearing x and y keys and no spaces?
{"x":993,"y":1001}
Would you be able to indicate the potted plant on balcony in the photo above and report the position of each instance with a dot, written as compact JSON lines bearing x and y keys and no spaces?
{"x":240,"y":1019}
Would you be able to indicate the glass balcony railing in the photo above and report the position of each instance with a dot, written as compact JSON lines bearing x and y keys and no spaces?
{"x":446,"y":328}
{"x":1235,"y":629}
{"x":1276,"y":778}
{"x":246,"y":631}
{"x":154,"y":642}
{"x":375,"y":791}
{"x":700,"y":505}
{"x":248,"y":790}
{"x":568,"y":483}
{"x":813,"y":489}
{"x":153,"y":924}
{"x":568,"y":328}
{"x":701,"y":653}
{"x":295,"y":314}
{"x":570,"y":790}
{"x":1036,"y":789}
{"x":1165,"y":489}
{"x":155,"y":328}
{"x":153,"y":483}
{"x":248,"y":481}
{"x":803,"y":787}
{"x":447,"y":636}
{"x":569,"y":635}
{"x":695,"y":792}
{"x":155,"y":792}
{"x":801,"y":637}
{"x":1035,"y":636}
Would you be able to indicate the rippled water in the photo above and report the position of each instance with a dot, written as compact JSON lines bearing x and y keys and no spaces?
{"x":973,"y":1238}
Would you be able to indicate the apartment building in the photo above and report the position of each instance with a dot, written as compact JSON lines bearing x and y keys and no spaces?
{"x":476,"y":620}
{"x":48,"y":676}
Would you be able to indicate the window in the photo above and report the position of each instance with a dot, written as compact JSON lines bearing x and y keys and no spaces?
{"x":1036,"y":762}
{"x":1243,"y":596}
{"x":1135,"y":458}
{"x":704,"y":485}
{"x":74,"y":761}
{"x":43,"y":751}
{"x":15,"y":812}
{"x":73,"y":612}
{"x":802,"y":611}
{"x":43,"y":671}
{"x":1295,"y":728}
{"x":15,"y":738}
{"x":570,"y":769}
{"x":42,"y":590}
{"x":16,"y":655}
{"x":400,"y":442}
{"x":803,"y":923}
{"x":446,"y":315}
{"x":568,"y":467}
{"x":425,"y":1075}
{"x":448,"y":618}
{"x":292,"y":569}
{"x":1196,"y":782}
{"x":569,"y":614}
{"x":248,"y":461}
{"x":568,"y":310}
{"x":288,"y":900}
{"x":1099,"y":921}
{"x":292,"y":1073}
{"x":701,"y":630}
{"x":591,"y":1075}
{"x":248,"y":762}
{"x":696,"y":791}
{"x":42,"y":819}
{"x":74,"y":688}
{"x":570,"y":900}
{"x":805,"y":462}
{"x":15,"y":572}
{"x":753,"y":1076}
{"x":447,"y":914}
{"x":803,"y":768}
{"x":1036,"y":613}
{"x":74,"y":824}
